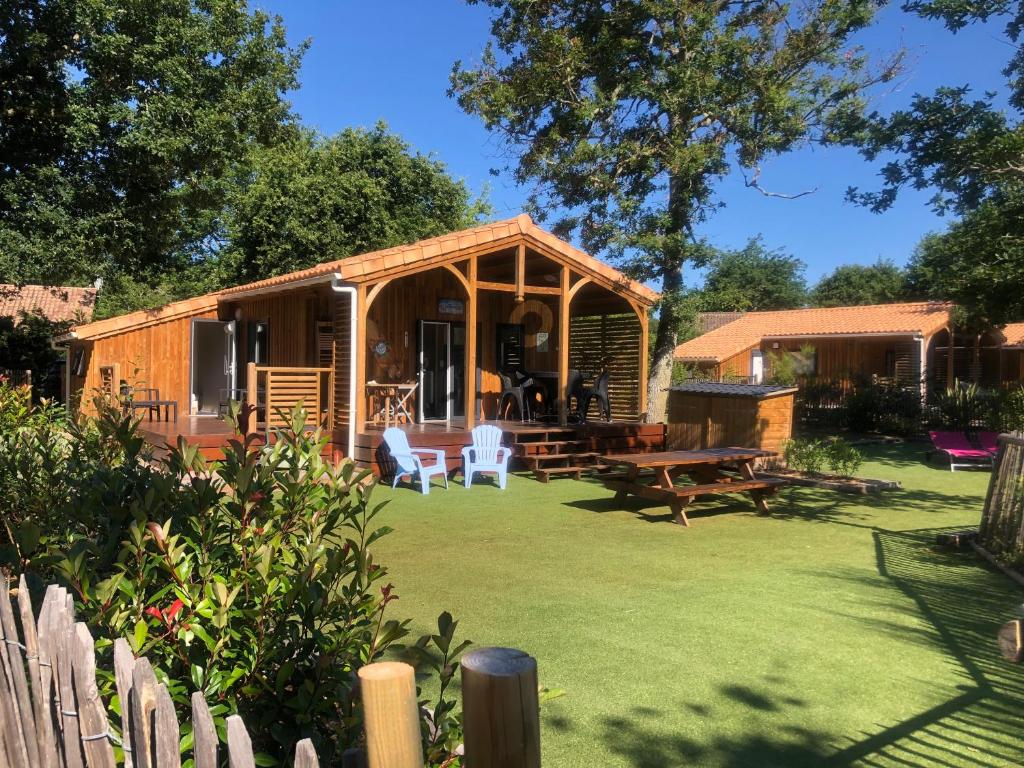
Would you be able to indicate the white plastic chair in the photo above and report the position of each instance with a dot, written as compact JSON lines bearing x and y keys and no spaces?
{"x":411,"y":464}
{"x":486,"y":454}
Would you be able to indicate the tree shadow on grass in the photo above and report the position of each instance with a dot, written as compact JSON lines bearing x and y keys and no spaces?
{"x":961,"y":601}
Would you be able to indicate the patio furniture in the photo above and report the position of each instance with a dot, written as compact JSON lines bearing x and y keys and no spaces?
{"x":959,"y":450}
{"x":390,"y":403}
{"x":988,"y":442}
{"x":409,"y":462}
{"x":704,"y":468}
{"x":516,"y":392}
{"x":597,"y":392}
{"x":226,"y":395}
{"x":574,"y":387}
{"x":486,"y":454}
{"x":154,"y":406}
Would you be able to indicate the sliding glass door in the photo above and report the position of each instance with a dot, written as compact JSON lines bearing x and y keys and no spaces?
{"x":435,"y":371}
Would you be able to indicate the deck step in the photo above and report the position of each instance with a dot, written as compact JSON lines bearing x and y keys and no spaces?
{"x":544,"y":474}
{"x":535,"y":460}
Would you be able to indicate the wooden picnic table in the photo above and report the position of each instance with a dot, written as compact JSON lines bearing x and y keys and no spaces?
{"x":706,"y":468}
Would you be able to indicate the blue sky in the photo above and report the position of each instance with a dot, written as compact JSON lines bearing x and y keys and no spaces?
{"x":389,"y":60}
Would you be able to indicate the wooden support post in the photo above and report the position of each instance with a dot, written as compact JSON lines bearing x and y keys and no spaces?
{"x":563,"y":348}
{"x":391,"y":714}
{"x":521,"y":273}
{"x":359,"y":357}
{"x":950,"y":358}
{"x":471,"y":362}
{"x":644,"y":364}
{"x":501,"y":715}
{"x":250,"y":397}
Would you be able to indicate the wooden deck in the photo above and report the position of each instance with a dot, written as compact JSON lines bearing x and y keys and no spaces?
{"x":210,"y":434}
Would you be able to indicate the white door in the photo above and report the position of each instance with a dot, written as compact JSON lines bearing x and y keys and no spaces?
{"x":230,"y":357}
{"x":435,"y":371}
{"x":757,"y":366}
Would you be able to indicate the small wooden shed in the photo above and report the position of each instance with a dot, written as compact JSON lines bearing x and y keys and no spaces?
{"x":718,"y":415}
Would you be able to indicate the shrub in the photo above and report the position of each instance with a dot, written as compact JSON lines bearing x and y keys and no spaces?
{"x":1011,"y":412}
{"x":843,"y":458}
{"x":806,"y":455}
{"x":251,"y":580}
{"x":963,"y":407}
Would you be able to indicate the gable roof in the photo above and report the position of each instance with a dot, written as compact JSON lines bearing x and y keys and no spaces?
{"x":55,"y":303}
{"x":392,"y":262}
{"x":913,"y":318}
{"x":373,"y":266}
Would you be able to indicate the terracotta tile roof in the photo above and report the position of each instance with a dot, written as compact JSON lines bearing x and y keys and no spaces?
{"x":56,"y":303}
{"x":1012,"y":335}
{"x":144,"y":317}
{"x":367,"y":266}
{"x":746,"y":332}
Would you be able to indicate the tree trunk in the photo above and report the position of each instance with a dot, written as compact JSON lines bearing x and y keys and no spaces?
{"x":660,"y":376}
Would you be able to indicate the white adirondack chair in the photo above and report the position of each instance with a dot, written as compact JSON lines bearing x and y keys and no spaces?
{"x":409,"y":463}
{"x":486,"y":454}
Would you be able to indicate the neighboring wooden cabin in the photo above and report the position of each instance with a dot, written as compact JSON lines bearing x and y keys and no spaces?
{"x":444,"y":314}
{"x":718,"y":415}
{"x":903,"y":343}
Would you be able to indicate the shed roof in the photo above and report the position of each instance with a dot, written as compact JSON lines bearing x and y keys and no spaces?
{"x":403,"y":259}
{"x":55,"y":303}
{"x":911,"y":318}
{"x":732,"y":390}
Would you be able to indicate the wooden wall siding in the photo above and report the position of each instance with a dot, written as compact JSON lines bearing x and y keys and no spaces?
{"x":843,"y":359}
{"x":343,"y":360}
{"x":394,"y":314}
{"x":292,"y":320}
{"x":612,"y":341}
{"x":156,"y":356}
{"x":737,"y":366}
{"x":698,"y":421}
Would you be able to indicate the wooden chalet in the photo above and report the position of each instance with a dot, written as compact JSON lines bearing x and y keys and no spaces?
{"x":415,"y":334}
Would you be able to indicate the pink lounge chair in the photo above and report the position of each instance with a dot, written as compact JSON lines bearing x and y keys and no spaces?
{"x":959,"y":450}
{"x":988,"y":442}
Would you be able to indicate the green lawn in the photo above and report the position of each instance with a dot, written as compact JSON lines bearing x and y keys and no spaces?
{"x":829,"y":634}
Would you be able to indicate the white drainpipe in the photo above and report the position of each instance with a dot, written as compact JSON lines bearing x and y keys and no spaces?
{"x":338,"y":287}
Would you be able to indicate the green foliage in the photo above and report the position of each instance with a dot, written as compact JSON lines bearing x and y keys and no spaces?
{"x":26,"y":346}
{"x":314,"y":198}
{"x":966,"y":406}
{"x":753,"y":278}
{"x":1011,"y":412}
{"x":812,"y":456}
{"x":124,"y":125}
{"x":808,"y":456}
{"x":854,"y":284}
{"x":881,"y":407}
{"x":627,"y":115}
{"x":843,"y":458}
{"x":967,"y":150}
{"x":786,"y":367}
{"x":251,"y":580}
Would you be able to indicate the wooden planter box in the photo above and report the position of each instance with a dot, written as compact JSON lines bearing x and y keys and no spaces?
{"x":856,"y":485}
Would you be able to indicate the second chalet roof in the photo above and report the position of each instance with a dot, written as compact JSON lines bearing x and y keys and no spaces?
{"x":373,"y":266}
{"x":913,"y":318}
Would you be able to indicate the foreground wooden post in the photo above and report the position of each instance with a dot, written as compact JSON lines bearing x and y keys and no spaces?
{"x":392,"y":715}
{"x":500,"y":709}
{"x":251,"y":393}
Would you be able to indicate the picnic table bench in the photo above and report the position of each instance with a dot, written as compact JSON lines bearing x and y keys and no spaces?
{"x":706,"y":468}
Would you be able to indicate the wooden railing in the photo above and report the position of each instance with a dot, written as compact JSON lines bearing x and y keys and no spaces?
{"x":51,"y":714}
{"x":277,"y":390}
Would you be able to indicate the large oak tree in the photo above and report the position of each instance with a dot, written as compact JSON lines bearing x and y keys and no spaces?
{"x":626,"y":113}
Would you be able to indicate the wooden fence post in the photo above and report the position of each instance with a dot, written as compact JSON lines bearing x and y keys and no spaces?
{"x":392,"y":715}
{"x":500,"y":709}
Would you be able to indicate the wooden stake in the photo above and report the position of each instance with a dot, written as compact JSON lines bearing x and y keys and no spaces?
{"x":204,"y":733}
{"x":501,"y":714}
{"x":392,"y":715}
{"x":92,"y":717}
{"x":239,"y":744}
{"x":305,"y":755}
{"x":124,"y":663}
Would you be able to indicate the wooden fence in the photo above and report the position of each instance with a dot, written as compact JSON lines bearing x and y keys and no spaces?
{"x":1001,"y":531}
{"x":51,"y":714}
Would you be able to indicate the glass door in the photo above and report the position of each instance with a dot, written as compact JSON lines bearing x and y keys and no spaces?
{"x":435,"y":371}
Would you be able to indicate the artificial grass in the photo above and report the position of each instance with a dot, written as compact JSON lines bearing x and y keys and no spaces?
{"x":832,"y":633}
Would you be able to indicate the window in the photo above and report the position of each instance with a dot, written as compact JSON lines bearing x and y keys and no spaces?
{"x":257,"y":337}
